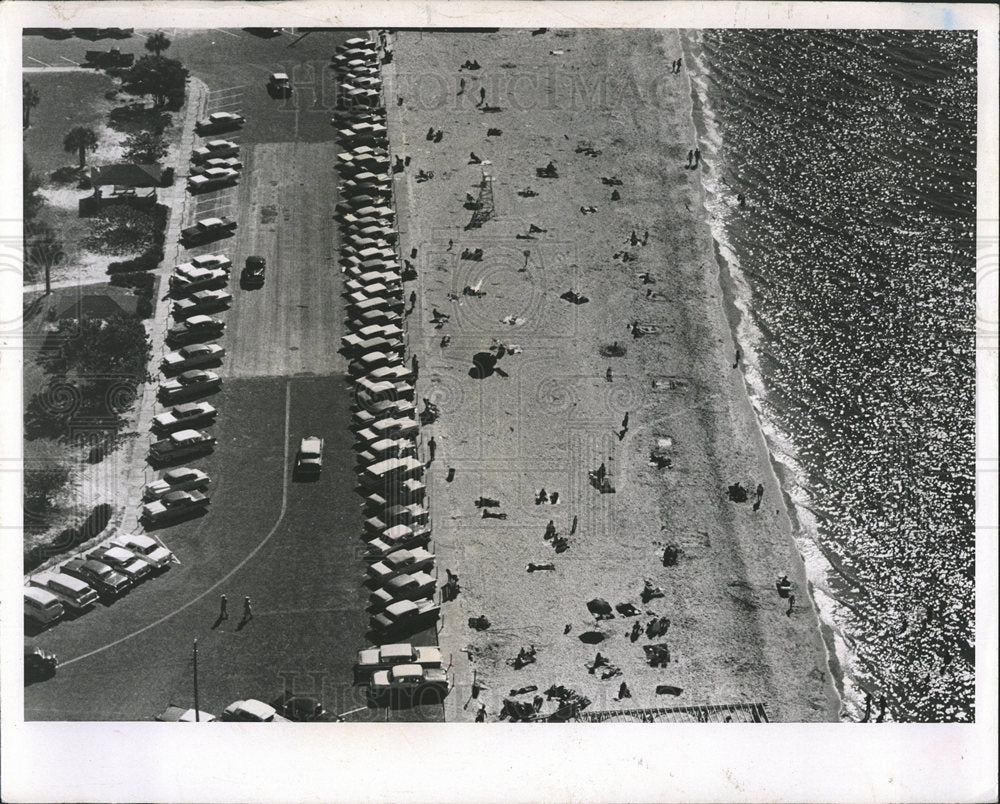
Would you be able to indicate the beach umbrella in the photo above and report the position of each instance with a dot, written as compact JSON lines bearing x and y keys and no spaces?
{"x":600,"y":607}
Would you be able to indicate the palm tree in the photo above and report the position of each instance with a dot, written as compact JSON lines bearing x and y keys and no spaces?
{"x":30,"y":99}
{"x":157,"y":42}
{"x":81,"y":140}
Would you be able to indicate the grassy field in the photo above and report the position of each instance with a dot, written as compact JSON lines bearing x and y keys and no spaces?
{"x":67,"y":100}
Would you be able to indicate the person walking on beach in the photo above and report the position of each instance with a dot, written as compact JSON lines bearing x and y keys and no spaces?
{"x":223,"y":608}
{"x":697,"y":157}
{"x":461,"y":87}
{"x":791,"y":605}
{"x":247,"y":609}
{"x":690,"y":157}
{"x":413,"y":300}
{"x":432,"y":448}
{"x":482,"y":96}
{"x":738,"y":356}
{"x":416,"y":367}
{"x":760,"y":492}
{"x":609,"y":375}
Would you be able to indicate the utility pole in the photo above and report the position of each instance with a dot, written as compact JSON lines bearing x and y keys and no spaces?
{"x":197,"y":709}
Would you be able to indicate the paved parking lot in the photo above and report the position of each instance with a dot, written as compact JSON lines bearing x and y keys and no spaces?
{"x":294,"y":548}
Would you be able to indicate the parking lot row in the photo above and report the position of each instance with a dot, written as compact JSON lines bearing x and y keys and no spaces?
{"x":401,"y":577}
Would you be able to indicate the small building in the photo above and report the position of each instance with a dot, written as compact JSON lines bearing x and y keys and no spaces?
{"x":134,"y":185}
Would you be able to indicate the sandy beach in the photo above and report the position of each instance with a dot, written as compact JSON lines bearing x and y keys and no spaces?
{"x":604,"y":107}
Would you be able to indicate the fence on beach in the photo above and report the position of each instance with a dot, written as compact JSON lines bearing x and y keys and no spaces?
{"x":716,"y":713}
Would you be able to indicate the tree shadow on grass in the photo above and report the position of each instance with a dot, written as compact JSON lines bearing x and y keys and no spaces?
{"x":137,"y":117}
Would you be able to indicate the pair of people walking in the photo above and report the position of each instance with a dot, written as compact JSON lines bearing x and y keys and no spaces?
{"x":224,"y":608}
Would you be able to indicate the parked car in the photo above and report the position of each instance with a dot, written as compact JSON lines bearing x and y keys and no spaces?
{"x":74,"y":594}
{"x":192,"y":279}
{"x":183,"y":478}
{"x":201,"y":302}
{"x":227,"y":162}
{"x":178,"y":714}
{"x":185,"y":415}
{"x":206,"y":261}
{"x":206,"y":230}
{"x":181,"y":444}
{"x":409,"y":680}
{"x":401,"y":561}
{"x":309,"y":459}
{"x":173,"y":505}
{"x":145,"y":547}
{"x":39,"y":664}
{"x":42,"y":606}
{"x":196,"y":328}
{"x":279,"y":85}
{"x":215,"y":149}
{"x":253,"y":272}
{"x":302,"y":709}
{"x":188,"y":384}
{"x":252,"y":711}
{"x":372,"y":659}
{"x":212,"y":179}
{"x":398,"y":536}
{"x":123,"y":560}
{"x":407,"y":616}
{"x":192,"y":356}
{"x":403,"y":587}
{"x":106,"y":581}
{"x":218,"y":122}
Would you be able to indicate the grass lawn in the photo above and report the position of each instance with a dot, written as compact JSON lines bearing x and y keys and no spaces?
{"x":67,"y":100}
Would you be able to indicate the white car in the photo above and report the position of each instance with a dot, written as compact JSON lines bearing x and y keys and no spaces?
{"x":228,"y":162}
{"x":215,"y":149}
{"x":187,"y":414}
{"x":193,"y":382}
{"x":145,"y":548}
{"x":206,"y":261}
{"x":408,"y":679}
{"x":178,"y":714}
{"x":309,"y":459}
{"x":192,"y":356}
{"x":187,"y":279}
{"x":212,"y":179}
{"x":252,"y":711}
{"x":122,"y":560}
{"x":183,"y":478}
{"x":373,"y":659}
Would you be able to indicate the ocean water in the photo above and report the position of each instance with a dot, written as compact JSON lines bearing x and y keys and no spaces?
{"x":853,"y":267}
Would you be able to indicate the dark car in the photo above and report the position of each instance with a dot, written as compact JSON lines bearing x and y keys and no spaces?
{"x":106,"y":581}
{"x":253,"y":272}
{"x":195,"y":329}
{"x":302,"y":709}
{"x":39,"y":664}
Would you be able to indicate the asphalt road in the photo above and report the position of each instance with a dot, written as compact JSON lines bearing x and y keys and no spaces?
{"x":294,"y":548}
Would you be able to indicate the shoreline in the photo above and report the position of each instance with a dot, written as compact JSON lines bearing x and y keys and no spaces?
{"x":727,"y":641}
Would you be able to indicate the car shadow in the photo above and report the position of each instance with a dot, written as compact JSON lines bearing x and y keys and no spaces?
{"x":196,"y":513}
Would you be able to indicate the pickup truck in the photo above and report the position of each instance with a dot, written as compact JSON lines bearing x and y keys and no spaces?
{"x":207,"y":230}
{"x":180,"y":445}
